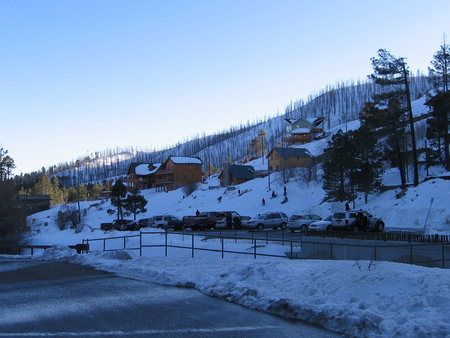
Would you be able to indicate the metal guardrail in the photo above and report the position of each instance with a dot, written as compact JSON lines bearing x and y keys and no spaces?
{"x":426,"y":254}
{"x":381,"y":236}
{"x":192,"y":246}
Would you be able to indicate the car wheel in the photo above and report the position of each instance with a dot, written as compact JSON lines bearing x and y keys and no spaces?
{"x":160,"y":226}
{"x":329,"y":228}
{"x":260,"y":227}
{"x":283,"y":226}
{"x":380,"y":227}
{"x":292,"y":231}
{"x":355,"y":229}
{"x":304,"y":228}
{"x":233,"y":226}
{"x":183,"y":227}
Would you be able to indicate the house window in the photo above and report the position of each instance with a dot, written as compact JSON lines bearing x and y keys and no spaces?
{"x":186,"y":176}
{"x":193,"y":176}
{"x":178,"y":176}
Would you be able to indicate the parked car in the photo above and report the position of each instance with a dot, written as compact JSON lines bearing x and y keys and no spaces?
{"x":302,"y":221}
{"x":228,"y":220}
{"x":244,"y":220}
{"x":356,"y":220}
{"x":124,"y":225}
{"x":142,"y":223}
{"x":167,"y":222}
{"x":272,"y":220}
{"x":323,"y":225}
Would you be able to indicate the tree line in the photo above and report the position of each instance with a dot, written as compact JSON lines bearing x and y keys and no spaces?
{"x":354,"y":160}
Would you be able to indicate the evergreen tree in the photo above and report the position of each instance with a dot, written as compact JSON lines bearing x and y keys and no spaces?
{"x":337,"y":169}
{"x":13,"y":226}
{"x":118,"y":194}
{"x":392,"y":71}
{"x":368,"y":160}
{"x":135,"y":203}
{"x":439,"y":104}
{"x":6,"y":165}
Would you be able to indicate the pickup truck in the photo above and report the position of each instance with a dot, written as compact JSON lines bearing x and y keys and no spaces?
{"x":205,"y":220}
{"x":119,"y":224}
{"x":214,"y":219}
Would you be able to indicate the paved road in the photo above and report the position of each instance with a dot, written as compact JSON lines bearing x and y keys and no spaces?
{"x":39,"y":298}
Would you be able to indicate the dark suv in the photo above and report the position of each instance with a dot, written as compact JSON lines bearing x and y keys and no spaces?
{"x":356,"y":220}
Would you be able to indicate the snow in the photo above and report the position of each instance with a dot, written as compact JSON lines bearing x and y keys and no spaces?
{"x":143,"y":169}
{"x":355,"y":298}
{"x":185,"y":160}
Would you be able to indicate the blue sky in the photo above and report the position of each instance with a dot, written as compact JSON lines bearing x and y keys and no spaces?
{"x":82,"y":76}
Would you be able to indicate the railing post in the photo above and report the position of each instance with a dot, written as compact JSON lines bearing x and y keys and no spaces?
{"x":443,"y":257}
{"x":267,"y":238}
{"x":192,"y":245}
{"x":254,"y":250}
{"x":292,"y":250}
{"x":375,"y":254}
{"x":411,"y":255}
{"x":104,"y":244}
{"x":165,"y":246}
{"x":124,"y":244}
{"x":140,"y":243}
{"x":222,"y":248}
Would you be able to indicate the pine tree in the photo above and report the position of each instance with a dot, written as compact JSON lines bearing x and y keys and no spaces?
{"x":135,"y":203}
{"x":439,"y":104}
{"x":118,"y":194}
{"x":6,"y":165}
{"x":392,"y":71}
{"x":337,"y":169}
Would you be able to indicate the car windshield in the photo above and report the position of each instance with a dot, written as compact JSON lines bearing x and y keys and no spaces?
{"x":261,"y":217}
{"x":328,"y":218}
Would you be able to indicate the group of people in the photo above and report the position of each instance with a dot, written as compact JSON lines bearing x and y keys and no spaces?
{"x":274,"y":195}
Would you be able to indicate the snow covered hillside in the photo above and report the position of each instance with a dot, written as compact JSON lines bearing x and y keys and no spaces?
{"x":384,"y":300}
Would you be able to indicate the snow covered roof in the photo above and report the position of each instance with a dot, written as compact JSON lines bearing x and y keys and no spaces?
{"x":185,"y":160}
{"x":313,"y":120}
{"x":292,"y":152}
{"x":144,"y":169}
{"x":301,"y":131}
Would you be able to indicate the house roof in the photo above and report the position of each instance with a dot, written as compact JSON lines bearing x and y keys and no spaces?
{"x":313,"y":120}
{"x":291,"y":152}
{"x":243,"y":171}
{"x":185,"y":160}
{"x":143,"y":169}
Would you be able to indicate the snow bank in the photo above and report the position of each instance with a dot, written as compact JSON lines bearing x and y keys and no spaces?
{"x":360,"y":299}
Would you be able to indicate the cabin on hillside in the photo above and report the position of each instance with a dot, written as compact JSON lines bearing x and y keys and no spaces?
{"x":234,"y":174}
{"x":302,"y":130}
{"x":177,"y":172}
{"x":174,"y":173}
{"x":141,"y":176}
{"x":35,"y":203}
{"x":280,"y":159}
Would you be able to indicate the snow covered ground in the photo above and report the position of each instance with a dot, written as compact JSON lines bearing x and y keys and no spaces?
{"x":354,"y":298}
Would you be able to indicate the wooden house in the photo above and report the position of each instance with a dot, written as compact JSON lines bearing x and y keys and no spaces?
{"x":285,"y":158}
{"x":177,"y":172}
{"x":35,"y":203}
{"x":141,"y":176}
{"x":302,"y":130}
{"x":234,"y":174}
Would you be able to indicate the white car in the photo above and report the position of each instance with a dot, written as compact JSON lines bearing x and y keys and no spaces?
{"x":323,"y":225}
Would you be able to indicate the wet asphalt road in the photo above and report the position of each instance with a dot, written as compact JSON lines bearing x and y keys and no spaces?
{"x":39,"y":298}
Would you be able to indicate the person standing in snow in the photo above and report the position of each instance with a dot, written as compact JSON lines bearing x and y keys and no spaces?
{"x":220,"y":199}
{"x":263,"y":202}
{"x":285,"y":193}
